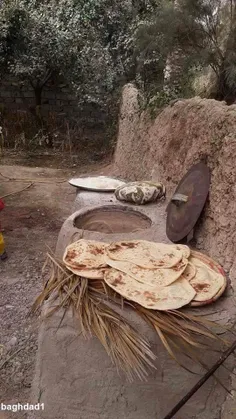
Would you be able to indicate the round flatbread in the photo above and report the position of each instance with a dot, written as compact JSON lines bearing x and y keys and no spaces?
{"x":85,"y":254}
{"x":172,"y":297}
{"x":145,"y":254}
{"x":89,"y":273}
{"x":189,"y":272}
{"x":206,"y":282}
{"x":153,"y":277}
{"x":184,"y":249}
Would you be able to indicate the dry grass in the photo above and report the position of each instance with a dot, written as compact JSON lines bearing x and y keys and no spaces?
{"x":21,"y":131}
{"x":91,"y":300}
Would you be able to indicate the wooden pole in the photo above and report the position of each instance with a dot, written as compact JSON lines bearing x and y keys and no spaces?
{"x":199,"y":384}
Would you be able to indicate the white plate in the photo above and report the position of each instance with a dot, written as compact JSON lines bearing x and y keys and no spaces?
{"x":97,"y":183}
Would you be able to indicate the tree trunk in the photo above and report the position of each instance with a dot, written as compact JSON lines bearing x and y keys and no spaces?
{"x":173,"y":68}
{"x":39,"y":117}
{"x":226,"y":90}
{"x":173,"y":72}
{"x":37,"y":107}
{"x":38,"y":95}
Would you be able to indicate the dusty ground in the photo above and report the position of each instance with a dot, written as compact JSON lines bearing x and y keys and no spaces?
{"x":31,"y":222}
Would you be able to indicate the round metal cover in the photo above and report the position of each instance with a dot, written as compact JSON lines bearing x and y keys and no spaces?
{"x":187,"y":202}
{"x":97,"y":183}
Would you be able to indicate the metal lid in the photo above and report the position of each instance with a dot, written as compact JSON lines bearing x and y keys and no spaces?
{"x":97,"y":183}
{"x":187,"y":202}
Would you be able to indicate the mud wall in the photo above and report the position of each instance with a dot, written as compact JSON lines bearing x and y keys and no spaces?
{"x":165,"y":148}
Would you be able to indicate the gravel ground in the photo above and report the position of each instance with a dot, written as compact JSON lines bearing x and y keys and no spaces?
{"x":31,"y":222}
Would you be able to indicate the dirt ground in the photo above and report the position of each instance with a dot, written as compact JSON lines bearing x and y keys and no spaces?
{"x":31,"y":222}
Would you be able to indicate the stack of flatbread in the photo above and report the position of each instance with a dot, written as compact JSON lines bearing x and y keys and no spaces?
{"x":155,"y":275}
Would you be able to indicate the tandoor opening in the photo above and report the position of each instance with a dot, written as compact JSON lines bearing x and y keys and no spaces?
{"x":111,"y":219}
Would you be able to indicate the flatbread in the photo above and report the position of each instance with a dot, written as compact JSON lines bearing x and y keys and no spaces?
{"x":145,"y":254}
{"x":184,"y":249}
{"x":153,"y":277}
{"x":85,"y":254}
{"x":189,"y":272}
{"x":207,"y":283}
{"x":172,"y":297}
{"x":89,"y":273}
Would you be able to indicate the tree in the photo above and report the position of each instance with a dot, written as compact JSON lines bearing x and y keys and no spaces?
{"x":152,"y":49}
{"x":72,"y":38}
{"x":41,"y":39}
{"x":206,"y":30}
{"x":196,"y":34}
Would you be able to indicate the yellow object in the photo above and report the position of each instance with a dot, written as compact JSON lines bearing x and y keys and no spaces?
{"x":2,"y":245}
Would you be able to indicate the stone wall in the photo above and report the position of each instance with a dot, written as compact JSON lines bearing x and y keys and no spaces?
{"x":91,"y":127}
{"x":56,"y":98}
{"x":164,"y":149}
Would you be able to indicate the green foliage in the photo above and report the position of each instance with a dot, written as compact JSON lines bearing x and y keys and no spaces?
{"x":90,"y":43}
{"x":98,"y":45}
{"x":44,"y":40}
{"x":159,"y":101}
{"x":184,"y":36}
{"x":41,"y":38}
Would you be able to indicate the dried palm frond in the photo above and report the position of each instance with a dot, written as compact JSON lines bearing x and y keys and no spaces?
{"x":180,"y":333}
{"x":127,"y":349}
